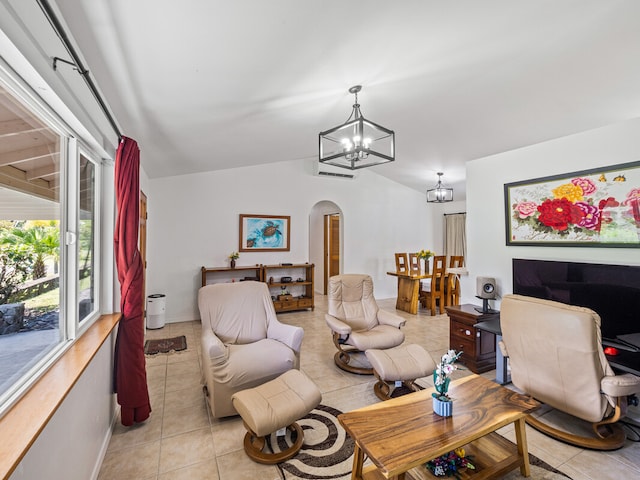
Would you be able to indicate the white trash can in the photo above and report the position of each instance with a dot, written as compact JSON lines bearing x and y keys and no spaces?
{"x":155,"y":311}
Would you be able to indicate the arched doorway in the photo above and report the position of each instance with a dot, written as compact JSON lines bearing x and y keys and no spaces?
{"x":325,"y":242}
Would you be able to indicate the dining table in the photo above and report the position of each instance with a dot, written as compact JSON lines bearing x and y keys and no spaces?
{"x":408,"y":290}
{"x":409,"y":287}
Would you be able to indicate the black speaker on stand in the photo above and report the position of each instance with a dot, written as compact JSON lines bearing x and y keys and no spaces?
{"x":486,"y":290}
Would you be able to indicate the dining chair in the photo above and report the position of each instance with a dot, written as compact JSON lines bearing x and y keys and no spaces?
{"x":453,"y":281}
{"x":414,"y":264}
{"x":402,"y":263}
{"x":432,"y":289}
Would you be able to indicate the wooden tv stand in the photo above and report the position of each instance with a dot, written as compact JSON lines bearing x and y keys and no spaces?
{"x":479,"y":346}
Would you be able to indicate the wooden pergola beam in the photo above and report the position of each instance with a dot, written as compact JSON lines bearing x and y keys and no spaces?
{"x":28,"y":154}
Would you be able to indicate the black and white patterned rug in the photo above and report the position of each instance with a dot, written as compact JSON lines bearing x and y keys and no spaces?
{"x":327,"y":452}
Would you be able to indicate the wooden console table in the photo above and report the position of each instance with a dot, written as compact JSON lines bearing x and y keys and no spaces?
{"x":401,"y":434}
{"x":408,"y":291}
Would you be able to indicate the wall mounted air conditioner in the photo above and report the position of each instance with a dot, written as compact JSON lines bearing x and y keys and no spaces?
{"x":329,"y":171}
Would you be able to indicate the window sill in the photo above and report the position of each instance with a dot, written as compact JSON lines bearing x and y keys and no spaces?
{"x":22,"y":423}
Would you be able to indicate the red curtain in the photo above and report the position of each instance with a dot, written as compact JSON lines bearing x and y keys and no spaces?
{"x":130,"y":377}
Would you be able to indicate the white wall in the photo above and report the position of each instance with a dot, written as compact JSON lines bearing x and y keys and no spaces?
{"x":75,"y":440}
{"x":144,"y":178}
{"x":488,"y":254}
{"x":193,"y":222}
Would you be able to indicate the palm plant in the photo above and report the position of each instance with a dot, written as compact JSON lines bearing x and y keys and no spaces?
{"x":15,"y":266}
{"x":40,"y":238}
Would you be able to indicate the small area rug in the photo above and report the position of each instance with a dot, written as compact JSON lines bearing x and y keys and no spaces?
{"x":327,"y":453}
{"x":165,"y":345}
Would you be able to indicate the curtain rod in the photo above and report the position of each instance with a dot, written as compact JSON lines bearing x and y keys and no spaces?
{"x":459,"y":213}
{"x":77,"y":62}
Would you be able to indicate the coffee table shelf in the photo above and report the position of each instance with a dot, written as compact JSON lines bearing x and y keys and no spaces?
{"x":493,"y":456}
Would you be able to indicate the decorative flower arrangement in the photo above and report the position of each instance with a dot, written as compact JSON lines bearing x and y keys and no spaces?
{"x":234,"y":256}
{"x":450,"y":464}
{"x":442,"y":375}
{"x":425,"y":254}
{"x":283,"y":291}
{"x":584,"y":207}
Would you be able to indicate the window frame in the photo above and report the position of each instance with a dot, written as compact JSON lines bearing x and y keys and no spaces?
{"x":71,"y":147}
{"x":83,"y":323}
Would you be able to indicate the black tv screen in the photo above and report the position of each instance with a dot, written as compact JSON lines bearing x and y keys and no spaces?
{"x":613,"y":291}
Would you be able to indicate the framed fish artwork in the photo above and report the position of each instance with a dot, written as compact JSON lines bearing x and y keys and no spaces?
{"x":590,"y":208}
{"x":264,"y":233}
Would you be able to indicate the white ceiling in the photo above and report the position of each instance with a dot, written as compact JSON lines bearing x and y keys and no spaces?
{"x":207,"y":84}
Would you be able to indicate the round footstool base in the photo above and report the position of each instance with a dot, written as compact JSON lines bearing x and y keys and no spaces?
{"x":272,"y":406}
{"x":385,"y":391}
{"x":254,"y":447}
{"x":342,"y":359}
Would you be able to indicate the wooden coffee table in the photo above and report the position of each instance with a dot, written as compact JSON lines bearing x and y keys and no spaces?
{"x":401,"y":434}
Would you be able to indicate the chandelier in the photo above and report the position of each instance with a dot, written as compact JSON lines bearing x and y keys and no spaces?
{"x":357,"y":143}
{"x":439,"y":194}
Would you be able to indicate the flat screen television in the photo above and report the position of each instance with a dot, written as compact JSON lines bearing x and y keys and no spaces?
{"x":613,"y":291}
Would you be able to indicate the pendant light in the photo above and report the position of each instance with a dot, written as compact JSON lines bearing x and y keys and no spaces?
{"x":357,"y":143}
{"x":439,"y":194}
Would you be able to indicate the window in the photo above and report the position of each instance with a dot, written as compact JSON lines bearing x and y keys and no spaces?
{"x":87,"y":238}
{"x":48,"y":238}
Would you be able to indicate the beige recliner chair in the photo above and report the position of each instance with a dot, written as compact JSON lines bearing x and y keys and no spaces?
{"x":356,"y":322}
{"x":556,"y":356}
{"x":243,"y":343}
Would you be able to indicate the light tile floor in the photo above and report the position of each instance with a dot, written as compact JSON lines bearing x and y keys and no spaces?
{"x":182,"y":441}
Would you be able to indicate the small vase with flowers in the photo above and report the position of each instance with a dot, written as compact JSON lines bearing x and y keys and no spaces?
{"x":232,"y":259}
{"x":442,"y":403}
{"x":425,"y":255}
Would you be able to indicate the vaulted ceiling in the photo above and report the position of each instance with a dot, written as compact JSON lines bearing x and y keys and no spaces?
{"x":205,"y":84}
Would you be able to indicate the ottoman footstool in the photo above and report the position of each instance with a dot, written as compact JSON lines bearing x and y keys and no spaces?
{"x":403,"y":364}
{"x":273,"y":406}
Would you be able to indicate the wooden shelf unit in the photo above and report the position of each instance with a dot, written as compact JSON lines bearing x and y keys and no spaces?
{"x":301,"y":292}
{"x":226,"y":274}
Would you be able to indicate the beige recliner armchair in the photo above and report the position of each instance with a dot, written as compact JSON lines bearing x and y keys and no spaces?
{"x":243,"y":343}
{"x":556,"y":356}
{"x":356,"y":322}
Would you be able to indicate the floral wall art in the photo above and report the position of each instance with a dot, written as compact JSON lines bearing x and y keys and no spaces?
{"x":589,"y":208}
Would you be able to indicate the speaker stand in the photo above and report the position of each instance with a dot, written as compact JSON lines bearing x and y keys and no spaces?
{"x":485,"y":307}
